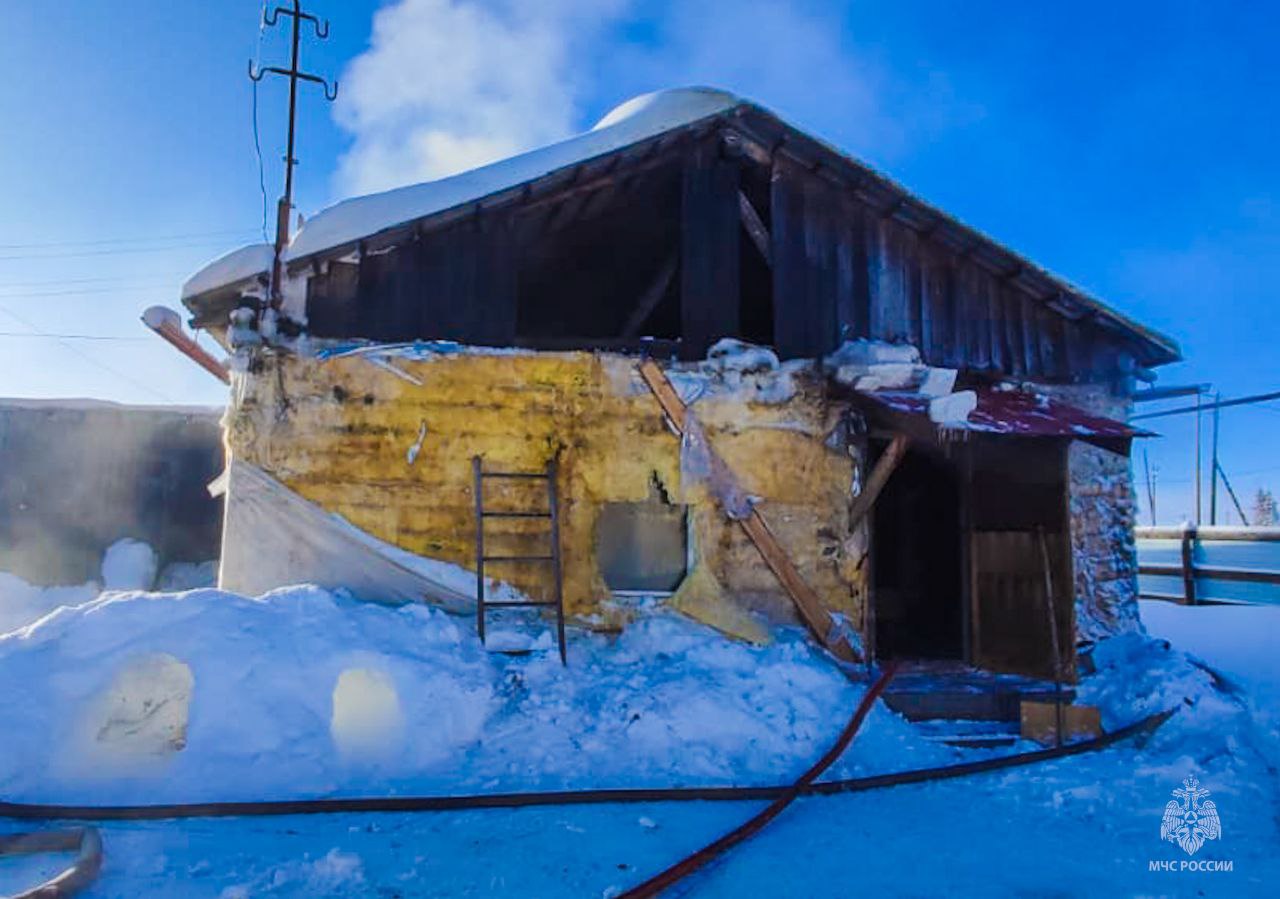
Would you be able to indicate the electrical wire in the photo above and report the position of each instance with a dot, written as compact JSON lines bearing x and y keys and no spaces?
{"x":87,"y":290}
{"x":257,"y":143}
{"x":59,"y":282}
{"x":112,"y":252}
{"x":51,"y":336}
{"x":226,"y":232}
{"x":36,"y":331}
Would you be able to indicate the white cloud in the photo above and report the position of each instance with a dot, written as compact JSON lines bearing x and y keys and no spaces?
{"x":449,"y":84}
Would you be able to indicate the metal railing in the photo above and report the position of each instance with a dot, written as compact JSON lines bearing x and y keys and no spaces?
{"x":1189,"y":571}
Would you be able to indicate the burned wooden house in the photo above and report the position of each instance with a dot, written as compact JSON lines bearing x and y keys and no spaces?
{"x":759,"y":378}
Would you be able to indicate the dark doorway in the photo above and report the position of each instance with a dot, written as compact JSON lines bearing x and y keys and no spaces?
{"x":916,"y":561}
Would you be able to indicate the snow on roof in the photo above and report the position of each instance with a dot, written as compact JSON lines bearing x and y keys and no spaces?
{"x":632,"y":122}
{"x":237,"y":265}
{"x":636,"y":120}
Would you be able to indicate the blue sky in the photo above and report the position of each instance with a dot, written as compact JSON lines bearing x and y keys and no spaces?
{"x":1129,"y":147}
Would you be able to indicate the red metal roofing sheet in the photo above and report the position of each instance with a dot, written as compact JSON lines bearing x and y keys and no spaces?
{"x":1019,"y":413}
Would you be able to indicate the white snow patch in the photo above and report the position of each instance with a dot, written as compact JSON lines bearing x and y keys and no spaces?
{"x":129,"y":565}
{"x":238,"y":265}
{"x":630,"y":123}
{"x":729,"y":354}
{"x":953,"y":408}
{"x":863,"y":352}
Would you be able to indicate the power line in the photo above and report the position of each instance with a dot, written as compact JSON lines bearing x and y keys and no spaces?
{"x":1204,"y":407}
{"x":92,"y":361}
{"x":113,"y":252}
{"x":50,"y":336}
{"x":85,"y":291}
{"x":119,"y":240}
{"x":100,"y":279}
{"x":1239,"y":474}
{"x":257,"y":143}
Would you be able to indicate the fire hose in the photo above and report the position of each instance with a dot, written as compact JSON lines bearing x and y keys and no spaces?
{"x":88,"y":844}
{"x":392,"y":804}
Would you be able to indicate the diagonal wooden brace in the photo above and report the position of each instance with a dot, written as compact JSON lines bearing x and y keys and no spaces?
{"x":814,"y":614}
{"x":884,"y":467}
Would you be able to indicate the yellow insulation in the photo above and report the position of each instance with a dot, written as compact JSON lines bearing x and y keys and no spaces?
{"x":340,"y":433}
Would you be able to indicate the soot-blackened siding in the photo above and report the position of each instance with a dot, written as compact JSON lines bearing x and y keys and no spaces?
{"x":457,"y":283}
{"x":709,"y":250}
{"x":842,"y":270}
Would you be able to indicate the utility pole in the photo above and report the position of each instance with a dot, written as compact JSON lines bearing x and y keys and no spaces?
{"x":294,"y":74}
{"x":1199,"y":478}
{"x":1231,"y":493}
{"x":1213,"y":469}
{"x":1151,"y":487}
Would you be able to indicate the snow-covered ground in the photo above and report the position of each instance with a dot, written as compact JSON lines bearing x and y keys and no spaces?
{"x":205,"y":695}
{"x":302,"y":693}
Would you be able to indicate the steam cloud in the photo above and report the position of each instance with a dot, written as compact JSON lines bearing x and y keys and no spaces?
{"x":447,"y":85}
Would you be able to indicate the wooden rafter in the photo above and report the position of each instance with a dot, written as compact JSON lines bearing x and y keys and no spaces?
{"x":754,"y":226}
{"x":651,"y":298}
{"x":879,"y":476}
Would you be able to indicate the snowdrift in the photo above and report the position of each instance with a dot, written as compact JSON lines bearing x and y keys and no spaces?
{"x":204,"y":695}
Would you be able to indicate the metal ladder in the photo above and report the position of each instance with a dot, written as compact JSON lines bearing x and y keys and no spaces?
{"x":552,"y":513}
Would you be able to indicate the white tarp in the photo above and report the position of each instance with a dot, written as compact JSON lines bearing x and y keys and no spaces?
{"x":272,"y":537}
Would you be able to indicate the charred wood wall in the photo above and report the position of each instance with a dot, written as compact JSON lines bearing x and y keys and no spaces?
{"x":710,"y":244}
{"x":457,"y":283}
{"x":842,"y":270}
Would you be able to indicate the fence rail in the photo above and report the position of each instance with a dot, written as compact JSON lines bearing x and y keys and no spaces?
{"x":1190,"y":571}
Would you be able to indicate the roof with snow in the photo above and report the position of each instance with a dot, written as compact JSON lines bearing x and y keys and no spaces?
{"x":369,"y":222}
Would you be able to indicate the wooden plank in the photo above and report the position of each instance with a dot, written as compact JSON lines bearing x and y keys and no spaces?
{"x":710,"y":293}
{"x":790,"y":265}
{"x":1039,"y":722}
{"x":1188,"y":566}
{"x":808,"y":604}
{"x":670,"y":401}
{"x":652,"y":297}
{"x":806,"y":599}
{"x":754,"y":226}
{"x":879,"y":476}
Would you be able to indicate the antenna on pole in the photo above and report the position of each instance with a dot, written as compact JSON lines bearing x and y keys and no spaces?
{"x":294,"y":74}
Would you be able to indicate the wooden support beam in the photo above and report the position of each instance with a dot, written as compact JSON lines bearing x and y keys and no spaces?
{"x":879,"y":476}
{"x":754,"y":225}
{"x":652,"y":297}
{"x":710,"y":240}
{"x":806,"y":599}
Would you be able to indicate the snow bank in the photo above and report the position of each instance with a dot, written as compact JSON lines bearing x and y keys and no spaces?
{"x":303,"y":692}
{"x":22,"y":603}
{"x":126,"y":565}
